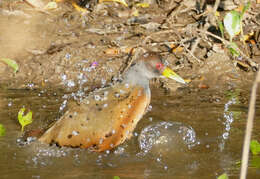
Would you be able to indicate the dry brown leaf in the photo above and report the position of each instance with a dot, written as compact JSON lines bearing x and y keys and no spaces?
{"x":119,"y":1}
{"x":112,"y":51}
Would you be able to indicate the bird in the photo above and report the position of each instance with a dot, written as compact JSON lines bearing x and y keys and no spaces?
{"x":108,"y":116}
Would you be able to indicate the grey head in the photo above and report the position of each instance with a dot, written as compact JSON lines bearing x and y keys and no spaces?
{"x":148,"y":66}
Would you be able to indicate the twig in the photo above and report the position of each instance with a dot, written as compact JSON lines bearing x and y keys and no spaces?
{"x":155,"y":33}
{"x":133,"y":55}
{"x":249,"y":128}
{"x":215,"y":6}
{"x":198,"y":60}
{"x":227,"y":43}
{"x":212,"y":14}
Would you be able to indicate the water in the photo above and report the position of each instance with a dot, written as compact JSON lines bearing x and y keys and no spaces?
{"x":186,"y":134}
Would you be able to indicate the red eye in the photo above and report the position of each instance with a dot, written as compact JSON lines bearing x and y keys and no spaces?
{"x":159,"y":66}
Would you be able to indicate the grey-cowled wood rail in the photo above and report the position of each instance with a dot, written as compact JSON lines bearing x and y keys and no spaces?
{"x":107,"y":117}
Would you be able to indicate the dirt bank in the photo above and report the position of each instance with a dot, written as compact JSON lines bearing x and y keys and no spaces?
{"x":63,"y":48}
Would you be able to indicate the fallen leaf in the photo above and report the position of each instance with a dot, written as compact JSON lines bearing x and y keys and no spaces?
{"x":51,"y":5}
{"x":11,"y":63}
{"x":112,"y":51}
{"x":126,"y":49}
{"x":78,"y":8}
{"x":119,"y":1}
{"x":248,"y":36}
{"x":203,"y":86}
{"x":177,"y":49}
{"x":143,"y":5}
{"x":24,"y":120}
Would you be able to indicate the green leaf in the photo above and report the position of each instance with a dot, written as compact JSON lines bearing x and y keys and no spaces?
{"x":233,"y":49}
{"x":116,"y":177}
{"x":2,"y":130}
{"x":255,"y":161}
{"x":24,"y":119}
{"x":11,"y":63}
{"x":223,"y":176}
{"x":232,"y":23}
{"x":255,"y":147}
{"x":221,"y":28}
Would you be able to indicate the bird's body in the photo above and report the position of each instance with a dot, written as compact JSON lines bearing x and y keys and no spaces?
{"x":107,"y":117}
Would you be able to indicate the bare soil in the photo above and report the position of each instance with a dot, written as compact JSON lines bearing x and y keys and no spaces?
{"x":66,"y":49}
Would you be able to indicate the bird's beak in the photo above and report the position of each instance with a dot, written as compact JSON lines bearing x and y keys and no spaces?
{"x":167,"y":72}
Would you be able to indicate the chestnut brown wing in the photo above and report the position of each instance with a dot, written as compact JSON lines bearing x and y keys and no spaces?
{"x":105,"y":119}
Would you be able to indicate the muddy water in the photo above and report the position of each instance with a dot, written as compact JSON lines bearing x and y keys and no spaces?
{"x":186,"y":134}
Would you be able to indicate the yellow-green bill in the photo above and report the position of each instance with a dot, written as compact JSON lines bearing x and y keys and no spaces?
{"x":172,"y":75}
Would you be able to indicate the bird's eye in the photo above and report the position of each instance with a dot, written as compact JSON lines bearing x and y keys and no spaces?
{"x":159,"y":66}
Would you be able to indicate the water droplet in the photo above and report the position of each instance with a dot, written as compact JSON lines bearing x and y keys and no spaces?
{"x":103,"y":82}
{"x":63,"y":105}
{"x":63,"y":77}
{"x":68,"y":56}
{"x":30,"y":85}
{"x":70,"y":83}
{"x":121,"y":91}
{"x":75,"y":133}
{"x":97,"y":97}
{"x":225,"y":135}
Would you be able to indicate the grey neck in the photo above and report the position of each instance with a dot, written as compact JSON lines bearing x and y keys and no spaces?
{"x":136,"y":75}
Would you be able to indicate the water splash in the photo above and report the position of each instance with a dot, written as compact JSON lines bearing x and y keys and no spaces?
{"x":164,"y":137}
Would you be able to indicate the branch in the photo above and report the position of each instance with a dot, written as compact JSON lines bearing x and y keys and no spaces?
{"x":249,"y":128}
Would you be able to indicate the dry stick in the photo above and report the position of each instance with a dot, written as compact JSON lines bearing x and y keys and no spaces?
{"x":249,"y":128}
{"x":206,"y":27}
{"x":134,"y":53}
{"x":228,"y":43}
{"x":155,"y":33}
{"x":198,"y":60}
